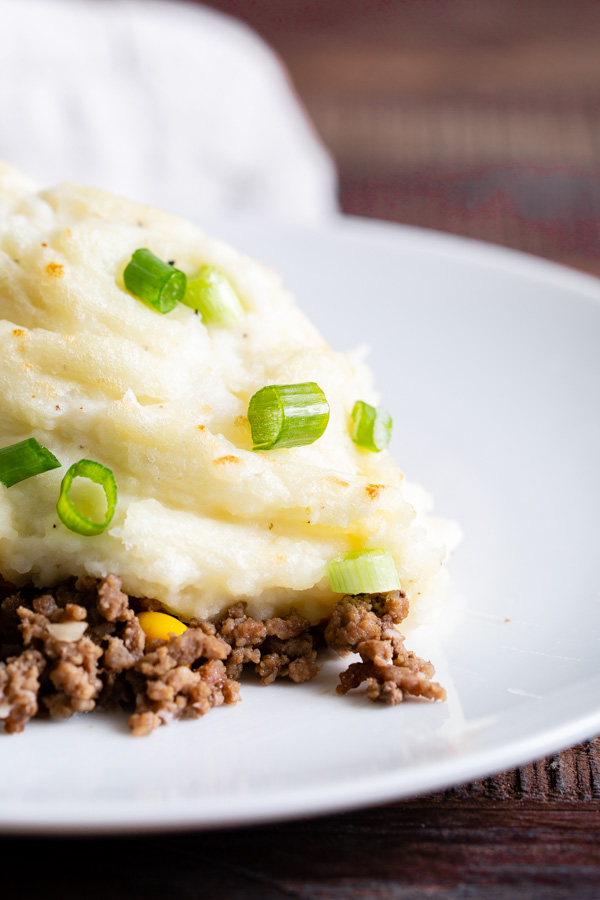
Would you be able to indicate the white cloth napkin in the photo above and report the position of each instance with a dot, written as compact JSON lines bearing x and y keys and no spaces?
{"x":168,"y":103}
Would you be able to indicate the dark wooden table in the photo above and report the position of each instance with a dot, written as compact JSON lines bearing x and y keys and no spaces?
{"x":481,"y":118}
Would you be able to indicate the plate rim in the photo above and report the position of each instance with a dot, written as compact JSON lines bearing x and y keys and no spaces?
{"x":296,"y":803}
{"x":457,"y":246}
{"x":386,"y":787}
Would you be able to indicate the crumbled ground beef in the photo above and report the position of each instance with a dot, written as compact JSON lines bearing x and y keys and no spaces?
{"x":277,"y":647}
{"x":244,"y":636}
{"x":19,"y":686}
{"x":366,"y":625}
{"x":80,"y":646}
{"x":167,"y":687}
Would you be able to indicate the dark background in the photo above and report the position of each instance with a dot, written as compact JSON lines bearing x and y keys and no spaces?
{"x":478,"y":117}
{"x":481,"y":118}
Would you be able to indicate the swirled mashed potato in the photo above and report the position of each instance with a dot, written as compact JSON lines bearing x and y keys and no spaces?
{"x":92,"y":372}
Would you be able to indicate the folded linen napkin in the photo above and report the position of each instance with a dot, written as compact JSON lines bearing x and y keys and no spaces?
{"x":169,"y":103}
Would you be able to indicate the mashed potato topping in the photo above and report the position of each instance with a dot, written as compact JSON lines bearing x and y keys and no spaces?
{"x":202,"y":520}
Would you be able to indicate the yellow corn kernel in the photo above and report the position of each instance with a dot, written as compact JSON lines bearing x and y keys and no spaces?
{"x":160,"y":626}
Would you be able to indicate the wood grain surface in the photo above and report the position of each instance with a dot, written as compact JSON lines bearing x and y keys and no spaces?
{"x":531,"y":833}
{"x":480,"y":118}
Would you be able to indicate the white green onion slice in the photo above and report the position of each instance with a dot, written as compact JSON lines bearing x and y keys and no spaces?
{"x":287,"y":415}
{"x":363,"y":572}
{"x":212,"y":295}
{"x":371,"y":426}
{"x":73,"y":518}
{"x":24,"y":460}
{"x":154,"y":281}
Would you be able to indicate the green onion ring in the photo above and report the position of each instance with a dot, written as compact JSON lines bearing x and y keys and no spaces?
{"x":287,"y":415}
{"x":371,"y":426}
{"x":363,"y":572}
{"x":24,"y":460}
{"x":154,"y":281}
{"x":212,"y":295}
{"x":66,"y":509}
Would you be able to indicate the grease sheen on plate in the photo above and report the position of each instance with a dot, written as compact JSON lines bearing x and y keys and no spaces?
{"x":490,"y":367}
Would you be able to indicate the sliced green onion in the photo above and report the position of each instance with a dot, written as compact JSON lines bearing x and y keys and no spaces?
{"x":287,"y":415}
{"x":213,"y":296}
{"x":68,"y":513}
{"x":363,"y":572}
{"x":23,"y":460}
{"x":371,"y":427}
{"x":154,"y":281}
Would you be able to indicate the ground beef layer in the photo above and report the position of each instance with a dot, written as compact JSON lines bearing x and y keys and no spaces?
{"x":80,"y":647}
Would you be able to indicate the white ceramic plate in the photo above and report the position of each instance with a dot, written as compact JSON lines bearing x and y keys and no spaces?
{"x":490,"y":363}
